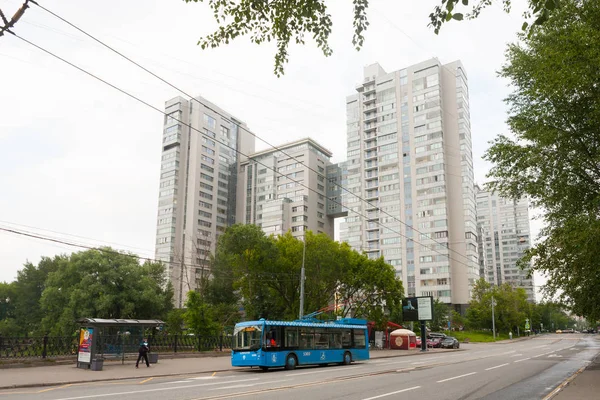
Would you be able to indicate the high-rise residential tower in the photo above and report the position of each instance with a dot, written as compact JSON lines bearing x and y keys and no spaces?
{"x":285,"y":189}
{"x":198,"y":186}
{"x":505,"y":235}
{"x":409,"y":157}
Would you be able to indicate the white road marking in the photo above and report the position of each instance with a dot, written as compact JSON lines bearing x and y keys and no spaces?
{"x":497,"y":366}
{"x":529,"y":358}
{"x":250,"y":384}
{"x":392,"y":393}
{"x":539,"y":355}
{"x":204,"y":377}
{"x":517,"y":355}
{"x":456,"y":377}
{"x":153,"y":390}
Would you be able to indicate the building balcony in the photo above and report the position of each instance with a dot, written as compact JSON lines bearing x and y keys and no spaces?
{"x":372,"y":205}
{"x":370,"y":165}
{"x":371,"y":143}
{"x":373,"y":215}
{"x":370,"y":89}
{"x":370,"y":117}
{"x":372,"y":194}
{"x":370,"y":127}
{"x":370,"y":106}
{"x":369,"y":100}
{"x":372,"y":184}
{"x":370,"y":155}
{"x":372,"y":226}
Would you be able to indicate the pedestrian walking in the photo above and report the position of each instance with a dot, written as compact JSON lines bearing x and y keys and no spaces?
{"x":143,"y":352}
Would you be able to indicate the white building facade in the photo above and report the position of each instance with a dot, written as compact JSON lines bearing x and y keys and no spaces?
{"x":198,"y":186}
{"x":505,"y":235}
{"x":285,"y":189}
{"x":409,"y":156}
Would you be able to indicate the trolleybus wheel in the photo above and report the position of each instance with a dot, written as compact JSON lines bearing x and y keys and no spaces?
{"x":291,"y":361}
{"x":347,"y":358}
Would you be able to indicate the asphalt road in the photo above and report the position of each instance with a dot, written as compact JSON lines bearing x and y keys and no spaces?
{"x":526,"y":370}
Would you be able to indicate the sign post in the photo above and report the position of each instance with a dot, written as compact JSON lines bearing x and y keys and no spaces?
{"x":418,"y":309}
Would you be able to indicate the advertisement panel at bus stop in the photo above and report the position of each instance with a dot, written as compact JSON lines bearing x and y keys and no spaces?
{"x":85,"y":345}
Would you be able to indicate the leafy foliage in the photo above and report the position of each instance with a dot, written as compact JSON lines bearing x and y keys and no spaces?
{"x":441,"y":313}
{"x":265,"y":273}
{"x":284,"y":21}
{"x":554,"y":157}
{"x":199,"y":316}
{"x":102,"y":284}
{"x":539,"y":10}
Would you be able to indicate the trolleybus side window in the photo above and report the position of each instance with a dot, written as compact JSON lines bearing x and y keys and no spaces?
{"x":291,"y":337}
{"x":335,"y":339}
{"x":346,"y":338}
{"x":359,"y":339}
{"x":321,"y":338}
{"x":307,"y":338}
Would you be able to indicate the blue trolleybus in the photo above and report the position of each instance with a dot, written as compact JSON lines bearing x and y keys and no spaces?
{"x":271,"y":344}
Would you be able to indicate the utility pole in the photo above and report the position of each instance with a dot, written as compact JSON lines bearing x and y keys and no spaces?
{"x":301,"y":313}
{"x":493,"y":319}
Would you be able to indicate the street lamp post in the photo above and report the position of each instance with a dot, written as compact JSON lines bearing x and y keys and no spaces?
{"x":493,"y":319}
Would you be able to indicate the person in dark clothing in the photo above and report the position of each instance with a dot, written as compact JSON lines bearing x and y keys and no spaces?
{"x":143,"y":352}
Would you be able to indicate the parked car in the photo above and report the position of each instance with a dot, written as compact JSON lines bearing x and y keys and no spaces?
{"x":449,"y":342}
{"x":435,"y":339}
{"x":419,"y":341}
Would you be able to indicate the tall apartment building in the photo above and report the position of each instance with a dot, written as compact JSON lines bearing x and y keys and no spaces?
{"x":279,"y":201}
{"x":198,"y":186}
{"x":409,"y":156}
{"x":505,"y":235}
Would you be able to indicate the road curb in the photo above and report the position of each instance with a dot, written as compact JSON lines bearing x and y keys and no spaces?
{"x":47,"y":384}
{"x":560,"y":387}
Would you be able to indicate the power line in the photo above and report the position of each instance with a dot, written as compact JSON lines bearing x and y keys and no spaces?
{"x":76,"y":236}
{"x":192,"y":98}
{"x":8,"y":24}
{"x":225,"y":144}
{"x":61,"y":241}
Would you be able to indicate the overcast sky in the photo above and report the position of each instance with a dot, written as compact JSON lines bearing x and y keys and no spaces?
{"x":81,"y":159}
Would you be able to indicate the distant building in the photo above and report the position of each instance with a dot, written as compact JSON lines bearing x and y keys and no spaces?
{"x":292,"y":199}
{"x":198,"y":186}
{"x":505,"y":235}
{"x":409,"y":155}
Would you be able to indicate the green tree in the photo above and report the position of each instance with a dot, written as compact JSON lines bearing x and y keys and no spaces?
{"x":441,"y":313}
{"x":27,"y":292}
{"x":198,"y":316}
{"x":8,"y":323}
{"x":175,"y":321}
{"x":369,"y":289}
{"x":510,"y":309}
{"x":103,"y":284}
{"x":250,"y":258}
{"x":285,"y":21}
{"x":554,"y":156}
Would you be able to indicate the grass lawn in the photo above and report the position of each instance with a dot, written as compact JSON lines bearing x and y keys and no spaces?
{"x":477,"y":336}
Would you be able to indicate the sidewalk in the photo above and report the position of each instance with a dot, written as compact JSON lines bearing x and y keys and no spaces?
{"x":114,"y":370}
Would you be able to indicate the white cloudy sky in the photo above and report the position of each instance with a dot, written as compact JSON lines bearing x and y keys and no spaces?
{"x":79,"y":158}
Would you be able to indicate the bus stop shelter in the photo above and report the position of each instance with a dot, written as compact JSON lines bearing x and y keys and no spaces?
{"x":111,"y":338}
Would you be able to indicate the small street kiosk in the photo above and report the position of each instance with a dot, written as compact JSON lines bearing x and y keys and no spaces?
{"x":110,"y":338}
